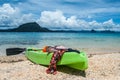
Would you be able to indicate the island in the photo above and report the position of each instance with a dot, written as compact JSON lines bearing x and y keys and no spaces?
{"x":28,"y":27}
{"x":35,"y":27}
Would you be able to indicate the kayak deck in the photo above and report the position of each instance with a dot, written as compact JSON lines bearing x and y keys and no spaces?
{"x":70,"y":59}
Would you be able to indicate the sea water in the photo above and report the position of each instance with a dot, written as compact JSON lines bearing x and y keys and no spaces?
{"x":76,"y":40}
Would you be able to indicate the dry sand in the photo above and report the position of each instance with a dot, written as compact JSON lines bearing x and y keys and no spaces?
{"x":101,"y":67}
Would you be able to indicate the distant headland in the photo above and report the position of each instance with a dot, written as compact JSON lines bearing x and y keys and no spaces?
{"x":35,"y":27}
{"x":27,"y":27}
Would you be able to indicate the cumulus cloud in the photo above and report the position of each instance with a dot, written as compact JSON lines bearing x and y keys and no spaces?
{"x":57,"y":20}
{"x":12,"y":16}
{"x":25,"y":18}
{"x":7,"y":9}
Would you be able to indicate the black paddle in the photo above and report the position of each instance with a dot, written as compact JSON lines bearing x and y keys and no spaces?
{"x":14,"y":51}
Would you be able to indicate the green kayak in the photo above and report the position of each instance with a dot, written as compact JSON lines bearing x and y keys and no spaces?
{"x":70,"y":59}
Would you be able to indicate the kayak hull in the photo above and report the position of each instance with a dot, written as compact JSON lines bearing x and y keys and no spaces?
{"x":70,"y":59}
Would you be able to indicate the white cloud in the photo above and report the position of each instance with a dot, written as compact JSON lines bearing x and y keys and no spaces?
{"x":7,"y":9}
{"x":56,"y":20}
{"x":48,"y":18}
{"x":12,"y":16}
{"x":110,"y":25}
{"x":25,"y":18}
{"x":6,"y":13}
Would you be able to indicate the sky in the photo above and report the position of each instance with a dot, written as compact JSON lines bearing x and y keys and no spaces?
{"x":62,"y":14}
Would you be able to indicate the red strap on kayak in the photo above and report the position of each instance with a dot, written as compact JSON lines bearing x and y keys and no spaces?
{"x":52,"y":69}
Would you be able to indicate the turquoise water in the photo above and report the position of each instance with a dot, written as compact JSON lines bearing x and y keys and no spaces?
{"x":74,"y":40}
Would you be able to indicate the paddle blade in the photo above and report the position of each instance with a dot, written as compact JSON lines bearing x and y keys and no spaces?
{"x":14,"y":51}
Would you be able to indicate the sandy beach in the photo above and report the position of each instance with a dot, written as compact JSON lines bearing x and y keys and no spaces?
{"x":101,"y":67}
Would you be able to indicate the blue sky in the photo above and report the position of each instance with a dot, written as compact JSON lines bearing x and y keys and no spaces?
{"x":62,"y":14}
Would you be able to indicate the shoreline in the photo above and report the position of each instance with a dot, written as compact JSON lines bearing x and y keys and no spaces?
{"x":101,"y":67}
{"x":95,"y":50}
